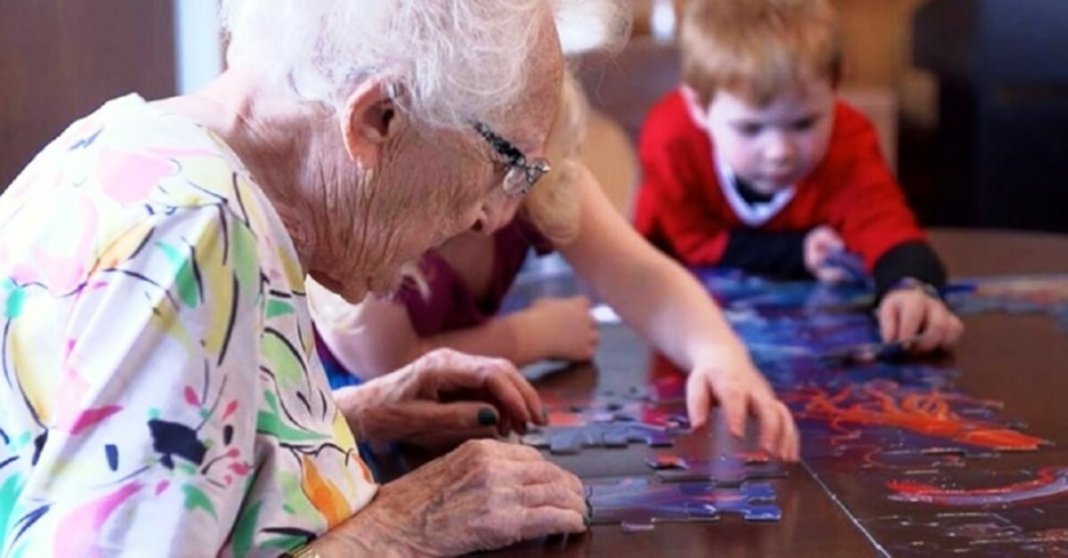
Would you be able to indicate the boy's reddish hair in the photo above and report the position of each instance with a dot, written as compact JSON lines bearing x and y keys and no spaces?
{"x":758,"y":48}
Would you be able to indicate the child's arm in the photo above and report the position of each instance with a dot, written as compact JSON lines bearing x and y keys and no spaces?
{"x":915,"y":311}
{"x":871,"y":214}
{"x":667,"y":306}
{"x":379,"y":337}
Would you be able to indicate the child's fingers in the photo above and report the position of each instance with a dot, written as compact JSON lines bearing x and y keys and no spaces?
{"x":912,"y":319}
{"x":698,"y":401}
{"x":888,"y":321}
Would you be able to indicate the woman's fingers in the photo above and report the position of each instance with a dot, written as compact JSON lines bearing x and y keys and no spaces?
{"x":411,"y":420}
{"x":513,"y":394}
{"x":550,"y":520}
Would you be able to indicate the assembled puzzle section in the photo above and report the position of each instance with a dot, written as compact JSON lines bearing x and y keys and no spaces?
{"x":638,"y":503}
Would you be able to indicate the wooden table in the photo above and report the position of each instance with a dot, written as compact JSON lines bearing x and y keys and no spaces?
{"x":1020,"y":360}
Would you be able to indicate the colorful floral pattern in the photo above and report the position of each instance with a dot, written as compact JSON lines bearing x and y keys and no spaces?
{"x":159,"y":391}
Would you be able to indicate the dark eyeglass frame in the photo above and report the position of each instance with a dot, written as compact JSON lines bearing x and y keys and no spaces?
{"x":522,"y":173}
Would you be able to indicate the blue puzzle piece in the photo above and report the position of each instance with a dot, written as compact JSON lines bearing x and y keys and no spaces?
{"x":573,"y":439}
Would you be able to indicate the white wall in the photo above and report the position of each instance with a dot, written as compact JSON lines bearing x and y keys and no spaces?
{"x":198,"y":50}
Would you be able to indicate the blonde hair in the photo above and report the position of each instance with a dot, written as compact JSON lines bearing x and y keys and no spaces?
{"x":553,"y":205}
{"x":758,"y":48}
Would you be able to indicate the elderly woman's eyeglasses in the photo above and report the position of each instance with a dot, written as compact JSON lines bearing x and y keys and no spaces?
{"x":522,"y":175}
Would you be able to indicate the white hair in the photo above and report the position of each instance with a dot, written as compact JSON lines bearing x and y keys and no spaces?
{"x":446,"y":61}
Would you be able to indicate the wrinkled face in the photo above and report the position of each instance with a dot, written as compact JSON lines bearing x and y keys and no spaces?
{"x":431,"y":185}
{"x":773,"y":146}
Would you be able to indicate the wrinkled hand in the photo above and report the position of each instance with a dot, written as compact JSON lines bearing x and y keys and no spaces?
{"x":820,"y":243}
{"x":911,"y":313}
{"x":730,"y":377}
{"x":440,"y":400}
{"x":564,"y":327}
{"x":483,"y":495}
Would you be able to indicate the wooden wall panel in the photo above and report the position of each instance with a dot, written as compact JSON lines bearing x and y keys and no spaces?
{"x":60,"y":59}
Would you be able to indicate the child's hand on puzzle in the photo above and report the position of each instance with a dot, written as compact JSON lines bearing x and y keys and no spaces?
{"x":913,"y":313}
{"x":727,"y":375}
{"x":564,"y":327}
{"x":819,"y":244}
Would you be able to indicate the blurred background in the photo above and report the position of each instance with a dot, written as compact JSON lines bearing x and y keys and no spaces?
{"x":970,"y":97}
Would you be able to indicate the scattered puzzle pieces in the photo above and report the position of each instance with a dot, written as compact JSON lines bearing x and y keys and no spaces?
{"x":725,"y":470}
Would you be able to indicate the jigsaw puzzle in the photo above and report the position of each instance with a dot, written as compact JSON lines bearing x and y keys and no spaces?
{"x":983,"y":488}
{"x":895,"y":440}
{"x":638,"y":503}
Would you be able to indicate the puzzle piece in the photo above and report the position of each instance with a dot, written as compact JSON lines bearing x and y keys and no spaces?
{"x":725,"y":470}
{"x":638,"y":416}
{"x":637,"y":503}
{"x":573,"y":439}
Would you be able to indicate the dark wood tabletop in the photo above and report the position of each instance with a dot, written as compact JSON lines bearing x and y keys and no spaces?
{"x":1018,"y":359}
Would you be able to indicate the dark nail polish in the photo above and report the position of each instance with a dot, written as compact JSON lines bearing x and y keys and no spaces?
{"x":587,"y":520}
{"x":589,"y":508}
{"x":486,"y":417}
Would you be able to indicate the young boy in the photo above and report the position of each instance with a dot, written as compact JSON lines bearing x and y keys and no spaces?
{"x":754,"y":164}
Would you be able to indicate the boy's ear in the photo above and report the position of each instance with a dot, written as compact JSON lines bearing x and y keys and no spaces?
{"x":369,"y":121}
{"x":698,"y":113}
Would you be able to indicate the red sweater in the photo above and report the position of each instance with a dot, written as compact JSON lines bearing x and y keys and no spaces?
{"x":682,"y":209}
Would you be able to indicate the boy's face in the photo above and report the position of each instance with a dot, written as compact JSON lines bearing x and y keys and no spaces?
{"x":773,"y":146}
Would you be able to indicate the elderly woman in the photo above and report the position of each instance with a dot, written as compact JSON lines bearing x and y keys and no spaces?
{"x":160,"y":392}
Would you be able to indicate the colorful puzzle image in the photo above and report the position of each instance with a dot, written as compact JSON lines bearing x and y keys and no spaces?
{"x":637,"y":503}
{"x":897,"y":442}
{"x":983,"y":488}
{"x":949,"y":416}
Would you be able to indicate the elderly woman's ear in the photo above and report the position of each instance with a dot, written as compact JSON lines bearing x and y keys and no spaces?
{"x":369,"y":121}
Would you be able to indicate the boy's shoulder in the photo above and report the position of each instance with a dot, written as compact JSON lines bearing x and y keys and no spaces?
{"x":670,"y":118}
{"x":850,"y":121}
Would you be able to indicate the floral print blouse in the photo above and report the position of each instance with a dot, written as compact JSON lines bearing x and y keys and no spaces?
{"x":160,"y":395}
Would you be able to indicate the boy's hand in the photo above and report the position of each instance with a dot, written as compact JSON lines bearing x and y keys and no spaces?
{"x":564,"y":326}
{"x":729,"y":377}
{"x":820,"y":243}
{"x":910,"y":312}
